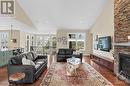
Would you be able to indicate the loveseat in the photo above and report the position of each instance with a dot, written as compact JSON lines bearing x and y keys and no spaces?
{"x":32,"y":72}
{"x":63,"y":54}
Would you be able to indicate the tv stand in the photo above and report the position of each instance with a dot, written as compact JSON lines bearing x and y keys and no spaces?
{"x":108,"y":63}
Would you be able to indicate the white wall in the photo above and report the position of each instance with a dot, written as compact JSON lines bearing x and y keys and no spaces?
{"x":60,"y":34}
{"x":104,"y":26}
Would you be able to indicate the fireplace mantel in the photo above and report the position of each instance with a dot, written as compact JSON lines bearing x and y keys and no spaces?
{"x":122,"y":44}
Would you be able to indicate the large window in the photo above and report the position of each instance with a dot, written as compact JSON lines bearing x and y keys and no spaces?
{"x":42,"y":44}
{"x":45,"y":44}
{"x":3,"y":40}
{"x":77,"y":41}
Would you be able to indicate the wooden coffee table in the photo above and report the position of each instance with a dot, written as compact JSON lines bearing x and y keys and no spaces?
{"x":17,"y":76}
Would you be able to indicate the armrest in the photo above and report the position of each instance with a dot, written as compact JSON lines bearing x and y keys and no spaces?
{"x":20,"y":68}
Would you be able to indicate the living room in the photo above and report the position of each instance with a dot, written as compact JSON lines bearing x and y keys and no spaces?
{"x":64,"y":43}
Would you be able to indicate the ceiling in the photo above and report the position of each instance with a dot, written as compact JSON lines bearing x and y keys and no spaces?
{"x":50,"y":15}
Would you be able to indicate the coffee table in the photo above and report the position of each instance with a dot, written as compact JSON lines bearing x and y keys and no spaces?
{"x":72,"y":65}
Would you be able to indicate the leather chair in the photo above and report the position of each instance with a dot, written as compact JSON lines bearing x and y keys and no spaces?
{"x":63,"y":54}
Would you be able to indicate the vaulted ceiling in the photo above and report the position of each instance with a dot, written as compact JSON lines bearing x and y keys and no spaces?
{"x":50,"y":15}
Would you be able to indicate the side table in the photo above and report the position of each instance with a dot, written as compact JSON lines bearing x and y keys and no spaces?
{"x":16,"y":76}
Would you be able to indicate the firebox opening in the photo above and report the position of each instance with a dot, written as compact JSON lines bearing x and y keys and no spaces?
{"x":124,"y":65}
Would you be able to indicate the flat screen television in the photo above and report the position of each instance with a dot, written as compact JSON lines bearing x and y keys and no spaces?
{"x":105,"y":43}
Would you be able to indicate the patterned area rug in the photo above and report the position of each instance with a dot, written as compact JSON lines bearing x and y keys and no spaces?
{"x":86,"y":76}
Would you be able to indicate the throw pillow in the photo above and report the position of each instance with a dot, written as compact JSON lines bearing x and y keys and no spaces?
{"x":29,"y":56}
{"x":34,"y":55}
{"x":27,"y":62}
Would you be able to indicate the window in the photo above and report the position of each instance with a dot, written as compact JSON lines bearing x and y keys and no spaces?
{"x":27,"y":43}
{"x":77,"y":41}
{"x":80,"y":45}
{"x":3,"y":40}
{"x":45,"y":44}
{"x":72,"y":45}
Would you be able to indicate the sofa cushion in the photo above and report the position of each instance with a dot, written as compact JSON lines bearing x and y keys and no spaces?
{"x":39,"y":63}
{"x":37,"y":66}
{"x":17,"y":60}
{"x":27,"y":62}
{"x":68,"y":56}
{"x":61,"y":56}
{"x":61,"y":52}
{"x":69,"y":52}
{"x":40,"y":60}
{"x":29,"y":56}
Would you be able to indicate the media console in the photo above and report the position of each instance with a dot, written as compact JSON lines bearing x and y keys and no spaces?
{"x":108,"y":63}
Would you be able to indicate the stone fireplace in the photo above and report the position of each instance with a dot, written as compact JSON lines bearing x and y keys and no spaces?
{"x":122,"y":31}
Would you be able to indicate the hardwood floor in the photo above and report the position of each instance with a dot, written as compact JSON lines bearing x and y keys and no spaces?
{"x":104,"y":71}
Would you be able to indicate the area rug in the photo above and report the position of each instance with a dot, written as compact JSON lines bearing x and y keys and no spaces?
{"x":86,"y":76}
